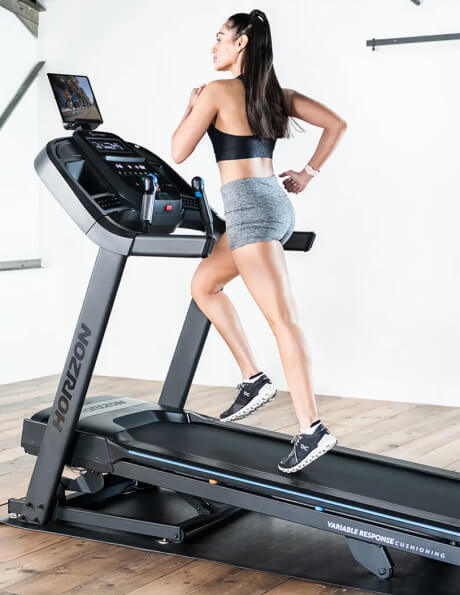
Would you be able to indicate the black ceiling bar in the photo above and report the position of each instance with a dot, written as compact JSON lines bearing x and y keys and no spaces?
{"x":416,"y":39}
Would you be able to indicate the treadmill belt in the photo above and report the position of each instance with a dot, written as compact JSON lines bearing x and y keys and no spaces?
{"x":228,"y":449}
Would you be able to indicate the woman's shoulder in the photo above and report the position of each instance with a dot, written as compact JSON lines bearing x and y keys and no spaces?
{"x":223,"y":90}
{"x":234,"y":85}
{"x":220,"y":83}
{"x":216,"y":88}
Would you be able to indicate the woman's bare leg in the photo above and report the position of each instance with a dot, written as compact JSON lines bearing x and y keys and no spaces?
{"x":262,"y":267}
{"x":211,"y":275}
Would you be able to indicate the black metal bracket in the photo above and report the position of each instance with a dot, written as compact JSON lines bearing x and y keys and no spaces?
{"x":415,"y":39}
{"x":89,"y":482}
{"x":372,"y":556}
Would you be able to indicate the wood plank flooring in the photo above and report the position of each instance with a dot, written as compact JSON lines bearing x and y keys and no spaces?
{"x":37,"y":563}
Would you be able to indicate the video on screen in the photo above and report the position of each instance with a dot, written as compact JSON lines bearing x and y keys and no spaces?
{"x":75,"y":98}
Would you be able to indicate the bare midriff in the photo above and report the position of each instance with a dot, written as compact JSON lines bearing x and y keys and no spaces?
{"x":255,"y":167}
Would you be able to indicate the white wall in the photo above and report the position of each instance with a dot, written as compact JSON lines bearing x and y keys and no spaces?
{"x":379,"y":292}
{"x":25,"y":318}
{"x":18,"y":141}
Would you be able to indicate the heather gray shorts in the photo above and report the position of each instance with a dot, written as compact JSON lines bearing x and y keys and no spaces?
{"x":257,"y":209}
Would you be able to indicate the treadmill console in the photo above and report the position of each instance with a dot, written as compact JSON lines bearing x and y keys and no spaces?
{"x":123,"y":196}
{"x":120,"y":169}
{"x":120,"y":186}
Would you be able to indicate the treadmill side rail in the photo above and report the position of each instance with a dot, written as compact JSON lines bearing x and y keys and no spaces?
{"x":366,"y":532}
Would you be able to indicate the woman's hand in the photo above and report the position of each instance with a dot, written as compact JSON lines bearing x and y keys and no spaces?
{"x":297,"y":180}
{"x":194,"y":95}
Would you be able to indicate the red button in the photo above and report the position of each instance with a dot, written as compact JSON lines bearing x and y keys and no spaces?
{"x":168,"y":208}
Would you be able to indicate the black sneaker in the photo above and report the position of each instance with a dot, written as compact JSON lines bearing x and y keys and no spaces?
{"x":252,"y":395}
{"x":307,"y":448}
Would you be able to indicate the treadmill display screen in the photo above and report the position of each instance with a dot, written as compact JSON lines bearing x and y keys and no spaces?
{"x":75,"y":98}
{"x":108,"y":146}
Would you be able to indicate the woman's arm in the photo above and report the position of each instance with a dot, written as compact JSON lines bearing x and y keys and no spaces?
{"x":188,"y":109}
{"x":317,"y":114}
{"x":311,"y":111}
{"x":200,"y":112}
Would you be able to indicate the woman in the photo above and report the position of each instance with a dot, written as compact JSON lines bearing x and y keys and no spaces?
{"x":244,"y":116}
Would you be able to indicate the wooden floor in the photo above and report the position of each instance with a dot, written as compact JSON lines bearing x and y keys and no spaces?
{"x":35,"y":563}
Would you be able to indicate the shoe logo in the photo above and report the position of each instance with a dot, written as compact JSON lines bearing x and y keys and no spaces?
{"x":303,"y":447}
{"x":245,"y":393}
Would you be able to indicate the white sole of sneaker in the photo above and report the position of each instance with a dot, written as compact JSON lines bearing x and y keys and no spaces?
{"x":324,"y":445}
{"x":267,"y":394}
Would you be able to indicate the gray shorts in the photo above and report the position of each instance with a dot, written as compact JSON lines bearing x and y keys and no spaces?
{"x":257,"y":209}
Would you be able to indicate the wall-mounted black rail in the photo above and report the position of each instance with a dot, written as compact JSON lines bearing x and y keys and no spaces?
{"x":416,"y":39}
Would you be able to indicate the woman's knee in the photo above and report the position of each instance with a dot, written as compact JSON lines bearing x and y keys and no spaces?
{"x":203,"y":285}
{"x":214,"y":272}
{"x":281,"y":311}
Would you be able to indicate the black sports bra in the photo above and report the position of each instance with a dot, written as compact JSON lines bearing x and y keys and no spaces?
{"x":236,"y":146}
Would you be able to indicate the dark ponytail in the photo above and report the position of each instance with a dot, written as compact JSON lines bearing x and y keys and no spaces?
{"x":265,"y":107}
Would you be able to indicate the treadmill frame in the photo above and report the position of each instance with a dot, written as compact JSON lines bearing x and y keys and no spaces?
{"x":46,"y":500}
{"x":43,"y":501}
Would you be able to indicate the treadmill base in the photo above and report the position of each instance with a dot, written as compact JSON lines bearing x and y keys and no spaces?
{"x":259,"y":542}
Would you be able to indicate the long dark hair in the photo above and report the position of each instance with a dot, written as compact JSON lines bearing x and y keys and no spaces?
{"x":265,"y":106}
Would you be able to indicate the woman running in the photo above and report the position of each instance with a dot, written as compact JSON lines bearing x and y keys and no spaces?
{"x":244,"y":116}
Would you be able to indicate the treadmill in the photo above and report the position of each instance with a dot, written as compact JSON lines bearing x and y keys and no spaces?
{"x":164,"y":478}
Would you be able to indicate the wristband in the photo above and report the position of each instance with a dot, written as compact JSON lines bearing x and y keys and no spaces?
{"x":311,"y":171}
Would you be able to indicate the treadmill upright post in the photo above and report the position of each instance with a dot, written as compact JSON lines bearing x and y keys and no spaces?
{"x":185,"y":359}
{"x":73,"y":385}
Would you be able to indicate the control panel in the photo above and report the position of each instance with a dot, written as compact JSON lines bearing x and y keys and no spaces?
{"x":112,"y":173}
